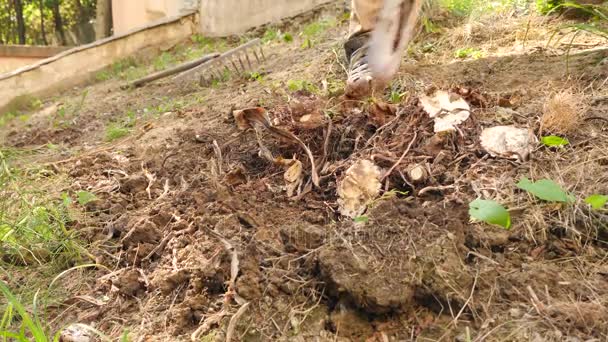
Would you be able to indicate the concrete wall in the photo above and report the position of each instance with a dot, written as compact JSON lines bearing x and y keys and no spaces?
{"x":16,"y":56}
{"x":130,"y":14}
{"x":79,"y":65}
{"x":226,"y":17}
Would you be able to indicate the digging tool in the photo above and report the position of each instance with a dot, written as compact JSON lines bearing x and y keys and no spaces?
{"x":172,"y":71}
{"x":239,"y":60}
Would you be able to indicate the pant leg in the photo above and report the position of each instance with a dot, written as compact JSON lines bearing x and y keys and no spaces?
{"x":363,"y":15}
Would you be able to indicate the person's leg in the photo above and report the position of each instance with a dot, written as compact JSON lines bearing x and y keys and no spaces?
{"x":378,"y":34}
{"x":362,"y":20}
{"x":363,"y":15}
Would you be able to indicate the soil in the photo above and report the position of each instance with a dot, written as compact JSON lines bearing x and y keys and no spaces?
{"x":195,"y":223}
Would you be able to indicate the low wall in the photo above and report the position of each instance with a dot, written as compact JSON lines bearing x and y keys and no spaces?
{"x":15,"y":56}
{"x":79,"y":65}
{"x":220,"y":18}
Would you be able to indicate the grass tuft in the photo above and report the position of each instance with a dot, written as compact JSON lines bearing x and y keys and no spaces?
{"x":562,"y":113}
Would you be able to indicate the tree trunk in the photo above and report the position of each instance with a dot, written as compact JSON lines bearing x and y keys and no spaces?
{"x":20,"y":22}
{"x":103,"y":22}
{"x":41,"y":2}
{"x":58,"y":22}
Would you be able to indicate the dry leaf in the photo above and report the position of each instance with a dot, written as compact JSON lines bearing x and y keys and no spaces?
{"x":76,"y":333}
{"x":508,"y":142}
{"x":258,"y":119}
{"x":360,"y":186}
{"x":235,"y":177}
{"x":293,"y":177}
{"x":379,"y":111}
{"x":449,"y":110}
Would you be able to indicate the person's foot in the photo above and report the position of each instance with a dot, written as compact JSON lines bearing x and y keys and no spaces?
{"x":374,"y":57}
{"x":360,"y":82}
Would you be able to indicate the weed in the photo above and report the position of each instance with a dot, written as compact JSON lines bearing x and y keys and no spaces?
{"x":33,"y":227}
{"x":597,"y":201}
{"x":30,"y":327}
{"x":255,"y":76}
{"x":313,"y":31}
{"x":429,"y":26}
{"x":271,"y":34}
{"x":546,"y":190}
{"x":396,"y":96}
{"x":163,"y":61}
{"x":119,"y":69}
{"x":36,"y":241}
{"x":8,"y":117}
{"x":468,"y":53}
{"x":490,"y":212}
{"x":301,"y":85}
{"x":547,"y":6}
{"x":120,"y":129}
{"x":596,"y":25}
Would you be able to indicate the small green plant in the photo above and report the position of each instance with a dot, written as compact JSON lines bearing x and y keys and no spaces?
{"x":123,"y":69}
{"x":429,"y":26}
{"x":597,"y":201}
{"x":85,"y":197}
{"x":313,"y":31}
{"x":545,"y":189}
{"x":8,"y":117}
{"x":547,"y":6}
{"x":490,"y":212}
{"x":120,"y":129}
{"x":287,"y":37}
{"x":163,"y":61}
{"x":597,"y":24}
{"x":396,"y":96}
{"x":271,"y":34}
{"x":554,"y":141}
{"x":116,"y":131}
{"x":468,"y":53}
{"x":361,"y":219}
{"x":255,"y":76}
{"x":29,"y":325}
{"x":301,"y":85}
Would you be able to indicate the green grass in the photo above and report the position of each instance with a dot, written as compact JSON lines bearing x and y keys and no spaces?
{"x":37,"y":243}
{"x":119,"y":69}
{"x":315,"y":30}
{"x":163,"y":61}
{"x":120,"y":129}
{"x":468,"y":52}
{"x":302,"y":85}
{"x":477,"y":8}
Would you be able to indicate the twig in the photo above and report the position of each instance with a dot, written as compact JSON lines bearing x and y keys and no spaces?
{"x":434,"y":188}
{"x":218,"y":155}
{"x":234,"y":320}
{"x":388,"y":173}
{"x":207,"y":323}
{"x":596,"y":118}
{"x":234,"y":266}
{"x":464,"y":306}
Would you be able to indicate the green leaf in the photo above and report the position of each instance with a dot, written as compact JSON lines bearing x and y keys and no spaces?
{"x":597,"y":201}
{"x":288,"y":37}
{"x":65,"y":198}
{"x":361,"y":219}
{"x":85,"y":197}
{"x":554,"y":141}
{"x":546,"y":190}
{"x":490,"y":212}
